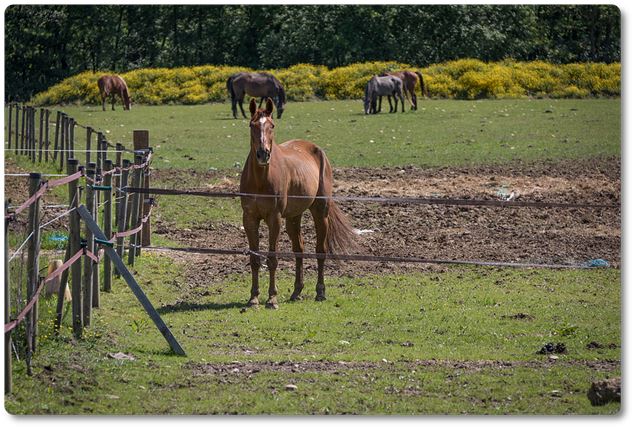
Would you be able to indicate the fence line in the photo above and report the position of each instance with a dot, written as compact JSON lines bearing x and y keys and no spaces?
{"x":23,"y":141}
{"x":366,"y":258}
{"x":384,"y":200}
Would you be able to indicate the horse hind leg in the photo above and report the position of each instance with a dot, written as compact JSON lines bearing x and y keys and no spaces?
{"x":103,"y":102}
{"x":321,"y":225}
{"x":240,"y":104}
{"x":234,"y":109}
{"x":297,"y":244}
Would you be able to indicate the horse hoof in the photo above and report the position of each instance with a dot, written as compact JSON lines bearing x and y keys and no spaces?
{"x":253,"y":302}
{"x":320,"y":298}
{"x":272,"y":305}
{"x":295,"y":297}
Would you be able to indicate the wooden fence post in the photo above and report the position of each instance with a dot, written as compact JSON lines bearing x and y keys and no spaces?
{"x":46,"y":136}
{"x":123,"y":207}
{"x":141,"y":141}
{"x":74,"y":238}
{"x":89,"y":136}
{"x":17,"y":128}
{"x":136,"y":205}
{"x":71,"y":137}
{"x":23,"y":129}
{"x":63,"y":131}
{"x":41,"y":135}
{"x":108,"y":225}
{"x":87,"y":279}
{"x":32,"y":267}
{"x":58,"y":121}
{"x":9,"y":123}
{"x":8,"y":355}
{"x":117,"y":179}
{"x":27,"y":132}
{"x":33,"y":153}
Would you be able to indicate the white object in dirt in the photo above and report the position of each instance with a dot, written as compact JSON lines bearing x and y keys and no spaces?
{"x":362,"y":231}
{"x":53,"y":285}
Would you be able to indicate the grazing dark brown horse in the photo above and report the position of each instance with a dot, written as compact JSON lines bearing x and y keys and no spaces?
{"x":296,"y":168}
{"x":257,"y":85}
{"x":112,"y":85}
{"x":409,"y":80}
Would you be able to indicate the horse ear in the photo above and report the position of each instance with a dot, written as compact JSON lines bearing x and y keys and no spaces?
{"x":269,"y":106}
{"x":252,"y":106}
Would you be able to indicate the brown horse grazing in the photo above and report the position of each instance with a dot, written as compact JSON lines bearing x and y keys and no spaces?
{"x":295,"y":168}
{"x":112,"y":85}
{"x":409,"y":80}
{"x":257,"y":85}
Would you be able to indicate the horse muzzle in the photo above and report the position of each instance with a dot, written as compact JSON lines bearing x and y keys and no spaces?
{"x":263,"y":156}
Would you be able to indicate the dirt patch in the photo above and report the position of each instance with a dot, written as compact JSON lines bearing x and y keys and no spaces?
{"x":550,"y":235}
{"x":248,"y":368}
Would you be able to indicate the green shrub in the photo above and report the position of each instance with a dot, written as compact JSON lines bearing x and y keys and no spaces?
{"x":464,"y":79}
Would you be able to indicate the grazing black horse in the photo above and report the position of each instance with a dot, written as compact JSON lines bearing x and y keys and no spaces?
{"x":257,"y":85}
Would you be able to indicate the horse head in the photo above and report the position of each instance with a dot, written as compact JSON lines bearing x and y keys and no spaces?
{"x":261,"y":125}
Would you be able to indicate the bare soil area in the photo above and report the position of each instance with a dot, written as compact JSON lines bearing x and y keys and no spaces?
{"x":531,"y":235}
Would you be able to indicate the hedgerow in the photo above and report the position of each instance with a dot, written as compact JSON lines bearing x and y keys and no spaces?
{"x":460,"y":79}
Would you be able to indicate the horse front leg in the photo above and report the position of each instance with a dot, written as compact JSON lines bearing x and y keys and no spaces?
{"x":251,"y":225}
{"x":414,"y":101}
{"x":389,"y":97}
{"x":274,"y":223}
{"x":379,"y":106}
{"x":112,"y":100}
{"x":403,"y":109}
{"x":103,"y":103}
{"x":297,"y":244}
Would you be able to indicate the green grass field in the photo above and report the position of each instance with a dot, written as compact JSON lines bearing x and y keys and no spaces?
{"x":440,"y":133}
{"x":453,"y":342}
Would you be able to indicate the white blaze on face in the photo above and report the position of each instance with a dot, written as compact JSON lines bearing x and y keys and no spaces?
{"x":262,"y":129}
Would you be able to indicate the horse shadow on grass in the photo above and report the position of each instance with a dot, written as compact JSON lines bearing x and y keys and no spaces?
{"x":192,"y":306}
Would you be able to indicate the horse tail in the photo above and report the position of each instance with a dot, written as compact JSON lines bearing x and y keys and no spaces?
{"x":125,"y":92}
{"x":340,"y":236}
{"x":421,"y":82}
{"x":230,"y":87}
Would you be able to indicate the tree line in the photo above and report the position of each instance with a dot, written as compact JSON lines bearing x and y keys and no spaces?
{"x":47,"y":43}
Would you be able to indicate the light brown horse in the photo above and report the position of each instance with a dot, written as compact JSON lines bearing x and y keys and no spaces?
{"x":112,"y":85}
{"x":296,"y":168}
{"x":409,"y":80}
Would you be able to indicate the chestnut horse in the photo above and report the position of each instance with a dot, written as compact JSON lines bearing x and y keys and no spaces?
{"x":409,"y":80}
{"x":112,"y":85}
{"x":296,"y":168}
{"x":257,"y":85}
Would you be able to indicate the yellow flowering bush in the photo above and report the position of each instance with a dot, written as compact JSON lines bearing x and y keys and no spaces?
{"x":463,"y":79}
